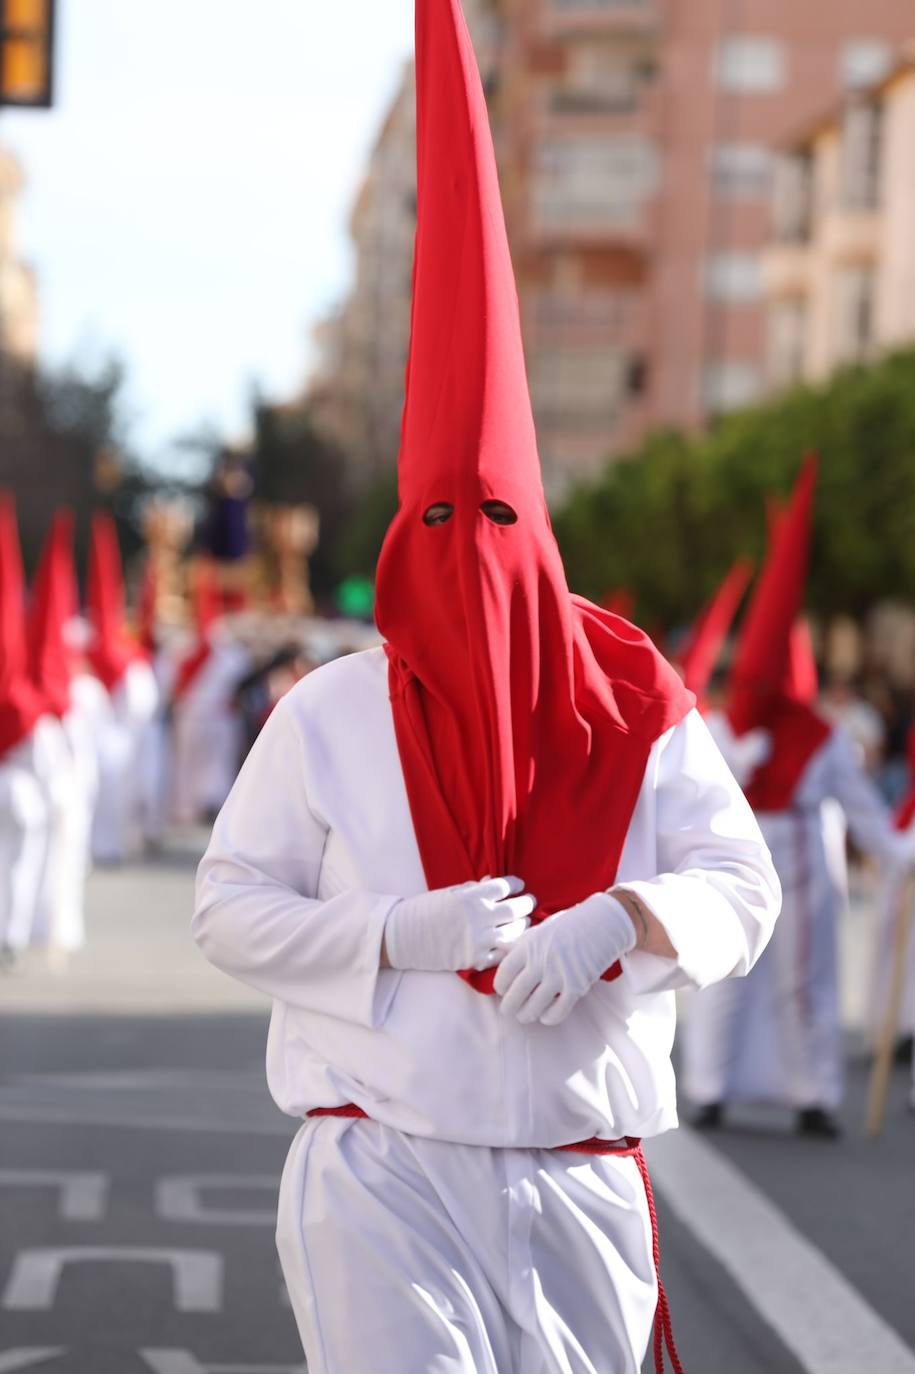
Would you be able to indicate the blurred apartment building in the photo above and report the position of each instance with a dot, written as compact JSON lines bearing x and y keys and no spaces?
{"x":355,"y":394}
{"x":840,"y":274}
{"x":18,"y":297}
{"x":636,"y":144}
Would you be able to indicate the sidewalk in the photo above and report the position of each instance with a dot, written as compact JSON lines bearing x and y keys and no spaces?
{"x":139,"y":957}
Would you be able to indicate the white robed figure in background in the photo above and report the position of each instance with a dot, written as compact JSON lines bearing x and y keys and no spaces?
{"x":208,"y":732}
{"x":122,"y":668}
{"x":777,"y":1037}
{"x":24,"y":725}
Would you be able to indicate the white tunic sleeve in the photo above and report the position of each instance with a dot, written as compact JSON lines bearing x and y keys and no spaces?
{"x":258,"y":916}
{"x":869,"y":818}
{"x":716,"y":891}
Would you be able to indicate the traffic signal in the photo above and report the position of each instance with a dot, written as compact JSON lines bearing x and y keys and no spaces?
{"x":26,"y":52}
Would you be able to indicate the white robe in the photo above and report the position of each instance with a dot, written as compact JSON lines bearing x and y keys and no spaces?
{"x":58,"y":920}
{"x":115,"y":827}
{"x":310,"y":853}
{"x":208,"y":735}
{"x":24,"y":828}
{"x":777,"y":1037}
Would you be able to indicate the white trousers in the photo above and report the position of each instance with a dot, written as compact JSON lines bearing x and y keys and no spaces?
{"x":411,"y":1256}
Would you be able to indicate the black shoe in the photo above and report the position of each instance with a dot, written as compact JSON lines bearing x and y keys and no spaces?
{"x":816,"y":1121}
{"x":903,"y":1051}
{"x":709,"y":1117}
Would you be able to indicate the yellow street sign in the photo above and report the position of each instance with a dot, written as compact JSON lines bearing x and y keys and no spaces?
{"x":26,"y":52}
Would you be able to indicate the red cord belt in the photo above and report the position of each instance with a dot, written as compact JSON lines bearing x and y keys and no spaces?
{"x":631,"y":1149}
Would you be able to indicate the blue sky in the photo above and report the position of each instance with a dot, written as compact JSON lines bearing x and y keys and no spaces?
{"x":187,"y":199}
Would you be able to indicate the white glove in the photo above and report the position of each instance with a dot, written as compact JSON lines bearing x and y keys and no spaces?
{"x":557,"y":962}
{"x":468,"y":927}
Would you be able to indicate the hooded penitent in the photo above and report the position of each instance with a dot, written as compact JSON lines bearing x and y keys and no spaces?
{"x":111,"y":652}
{"x":761,"y":690}
{"x":53,"y":606}
{"x":524,"y":715}
{"x":206,"y":603}
{"x":703,"y":648}
{"x":21,"y":705}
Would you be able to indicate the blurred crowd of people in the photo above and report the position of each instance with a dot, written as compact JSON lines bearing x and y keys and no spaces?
{"x":109,"y":735}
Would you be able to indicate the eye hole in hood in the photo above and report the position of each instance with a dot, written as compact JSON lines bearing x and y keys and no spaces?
{"x":438,"y":513}
{"x":499,"y":513}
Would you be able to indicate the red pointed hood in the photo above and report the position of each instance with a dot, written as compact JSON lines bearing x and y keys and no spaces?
{"x":762,"y":659}
{"x":111,"y":652}
{"x":21,"y":704}
{"x":524,"y":716}
{"x":54,"y":600}
{"x":702,"y":649}
{"x":802,"y":681}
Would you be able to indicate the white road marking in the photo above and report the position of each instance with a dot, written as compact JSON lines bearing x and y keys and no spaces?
{"x":11,"y":1360}
{"x":242,"y":1080}
{"x":180,"y":1199}
{"x":83,"y":1196}
{"x":213,"y":1125}
{"x":33,"y":1283}
{"x":182,"y":1362}
{"x":820,"y":1317}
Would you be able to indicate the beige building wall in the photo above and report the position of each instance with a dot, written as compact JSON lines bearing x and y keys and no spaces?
{"x":840,"y":273}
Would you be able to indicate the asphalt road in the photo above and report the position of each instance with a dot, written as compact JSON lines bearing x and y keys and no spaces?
{"x":140,"y":1158}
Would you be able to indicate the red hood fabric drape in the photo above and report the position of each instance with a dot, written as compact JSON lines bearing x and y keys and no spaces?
{"x":111,"y":652}
{"x":703,"y":647}
{"x":802,"y":681}
{"x":769,"y":688}
{"x":21,"y":704}
{"x":905,"y":812}
{"x":53,"y":606}
{"x":524,"y":715}
{"x":206,"y":602}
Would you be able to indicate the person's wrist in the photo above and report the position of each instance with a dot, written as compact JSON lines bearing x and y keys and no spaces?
{"x":631,"y":909}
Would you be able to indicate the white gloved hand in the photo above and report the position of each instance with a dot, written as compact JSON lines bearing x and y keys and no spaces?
{"x":555,"y":964}
{"x":468,"y":927}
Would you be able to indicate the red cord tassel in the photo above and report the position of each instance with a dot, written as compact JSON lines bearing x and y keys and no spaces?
{"x":663,"y":1326}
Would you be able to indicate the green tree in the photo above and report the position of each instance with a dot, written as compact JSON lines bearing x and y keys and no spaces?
{"x":669,"y":520}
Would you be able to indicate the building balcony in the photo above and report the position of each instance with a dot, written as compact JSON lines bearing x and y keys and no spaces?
{"x":851,"y":235}
{"x":787,"y":270}
{"x":577,"y":16}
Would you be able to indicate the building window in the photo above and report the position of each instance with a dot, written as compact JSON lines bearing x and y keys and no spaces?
{"x":638,"y":372}
{"x":594,"y":183}
{"x":599,"y":79}
{"x":863,"y":62}
{"x":862,"y":147}
{"x":787,"y":328}
{"x":730,"y":385}
{"x":733,"y":277}
{"x":854,"y":335}
{"x":742,"y":171}
{"x":751,"y":64}
{"x":578,"y":388}
{"x":793,"y":199}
